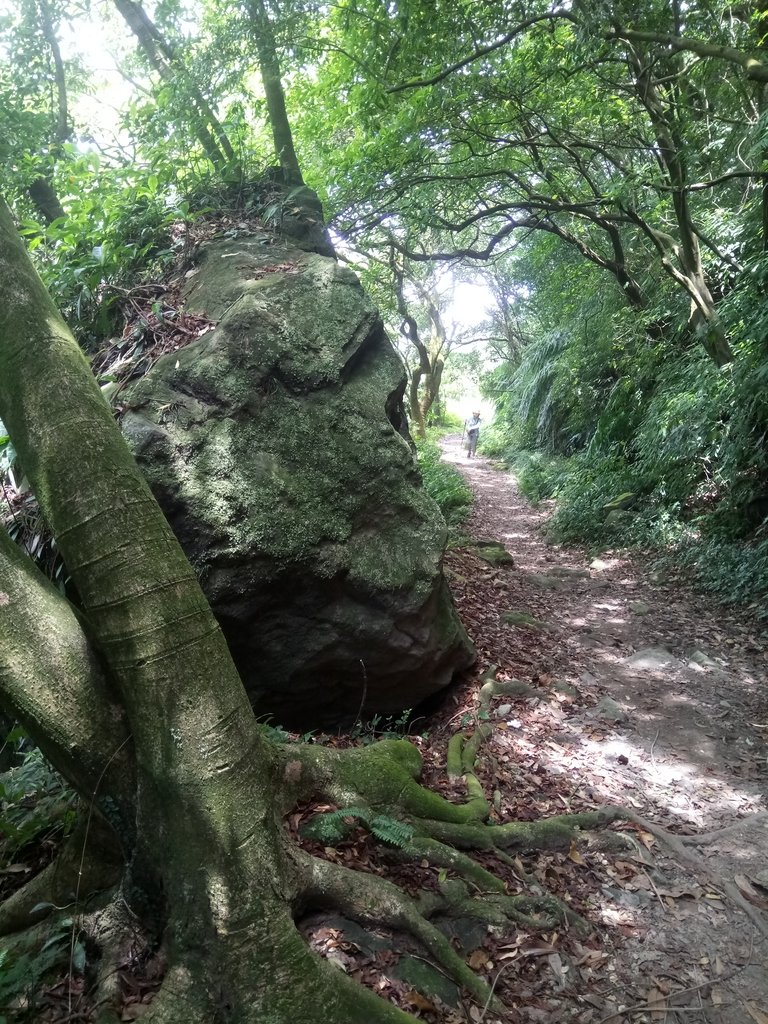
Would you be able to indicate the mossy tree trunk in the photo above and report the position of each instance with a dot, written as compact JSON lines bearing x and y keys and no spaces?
{"x":274,"y":94}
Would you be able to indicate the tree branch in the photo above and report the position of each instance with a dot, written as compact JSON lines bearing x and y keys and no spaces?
{"x":483,"y":51}
{"x":755,"y":70}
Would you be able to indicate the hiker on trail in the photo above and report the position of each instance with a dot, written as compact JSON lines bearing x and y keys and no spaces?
{"x":472,"y":430}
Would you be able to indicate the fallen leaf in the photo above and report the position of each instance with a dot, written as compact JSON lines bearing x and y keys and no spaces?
{"x":417,"y":1000}
{"x":478,"y":960}
{"x":657,"y":1003}
{"x":757,"y":1015}
{"x":574,"y":855}
{"x":678,"y":892}
{"x":15,"y":869}
{"x":646,"y":839}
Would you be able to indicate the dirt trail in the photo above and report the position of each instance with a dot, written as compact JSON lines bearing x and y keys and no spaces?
{"x":657,"y":701}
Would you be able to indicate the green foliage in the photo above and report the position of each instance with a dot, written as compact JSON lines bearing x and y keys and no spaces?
{"x":496,"y":440}
{"x":36,"y":806}
{"x":24,"y":968}
{"x":277,"y":734}
{"x":122,"y":226}
{"x":383,"y":727}
{"x":539,"y":475}
{"x":35,"y":802}
{"x":734,"y":571}
{"x":443,"y":483}
{"x":444,"y":423}
{"x":335,"y":826}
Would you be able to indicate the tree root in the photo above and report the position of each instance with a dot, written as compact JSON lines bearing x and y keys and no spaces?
{"x":703,"y":838}
{"x":241,"y":981}
{"x":376,"y":901}
{"x":555,"y":833}
{"x":443,"y":856}
{"x":680,"y":848}
{"x":491,"y":902}
{"x":493,"y":687}
{"x":72,"y":877}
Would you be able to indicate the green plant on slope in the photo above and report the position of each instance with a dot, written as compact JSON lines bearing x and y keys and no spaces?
{"x":443,"y":483}
{"x":24,"y":968}
{"x":34,"y":801}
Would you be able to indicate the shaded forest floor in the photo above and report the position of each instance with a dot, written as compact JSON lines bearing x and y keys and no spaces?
{"x":641,"y":693}
{"x":653,"y":697}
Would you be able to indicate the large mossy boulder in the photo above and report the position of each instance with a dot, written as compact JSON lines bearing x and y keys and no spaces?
{"x":274,"y":447}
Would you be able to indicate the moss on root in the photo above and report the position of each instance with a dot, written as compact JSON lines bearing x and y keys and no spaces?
{"x":384,"y":778}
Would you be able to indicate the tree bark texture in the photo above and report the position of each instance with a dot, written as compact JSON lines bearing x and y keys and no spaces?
{"x":269,"y":65}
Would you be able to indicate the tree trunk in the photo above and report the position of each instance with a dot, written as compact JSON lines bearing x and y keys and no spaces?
{"x":690,"y":272}
{"x":432,"y":388}
{"x":41,"y":191}
{"x":414,"y":404}
{"x":274,"y":94}
{"x":210,"y":858}
{"x":45,"y":199}
{"x":207,"y":127}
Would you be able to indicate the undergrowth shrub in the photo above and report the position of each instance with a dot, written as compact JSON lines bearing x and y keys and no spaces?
{"x":497,"y":441}
{"x":36,"y":811}
{"x":735,"y":571}
{"x":443,"y":483}
{"x":35,"y":804}
{"x":25,"y":967}
{"x":446,"y":422}
{"x":639,"y":437}
{"x":538,"y":474}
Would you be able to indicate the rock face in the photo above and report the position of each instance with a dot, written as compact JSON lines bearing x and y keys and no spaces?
{"x":273,"y":446}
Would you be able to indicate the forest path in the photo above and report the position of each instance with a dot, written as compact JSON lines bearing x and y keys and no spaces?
{"x":657,"y":700}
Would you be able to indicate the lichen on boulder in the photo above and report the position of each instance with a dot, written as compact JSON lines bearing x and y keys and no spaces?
{"x":274,"y":447}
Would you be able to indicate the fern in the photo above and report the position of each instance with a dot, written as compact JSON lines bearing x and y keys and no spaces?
{"x":335,"y":826}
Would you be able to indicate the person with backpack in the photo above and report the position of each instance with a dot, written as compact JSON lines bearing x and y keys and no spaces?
{"x":472,"y":430}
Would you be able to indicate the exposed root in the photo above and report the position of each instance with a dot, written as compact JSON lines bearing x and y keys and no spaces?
{"x":182,"y":997}
{"x":422,"y":847}
{"x":703,"y":838}
{"x":680,"y":847}
{"x":382,"y":776}
{"x":555,"y":833}
{"x":539,"y":913}
{"x":71,"y":875}
{"x":376,"y":901}
{"x":117,"y":934}
{"x":493,"y":687}
{"x":462,"y":752}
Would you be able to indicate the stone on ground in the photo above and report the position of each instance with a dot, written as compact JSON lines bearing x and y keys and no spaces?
{"x":651,"y":659}
{"x":274,"y":447}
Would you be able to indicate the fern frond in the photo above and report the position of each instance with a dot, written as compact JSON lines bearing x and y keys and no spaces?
{"x":334,"y":826}
{"x":389,"y":830}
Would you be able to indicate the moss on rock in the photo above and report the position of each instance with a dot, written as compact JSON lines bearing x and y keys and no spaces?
{"x":273,"y":445}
